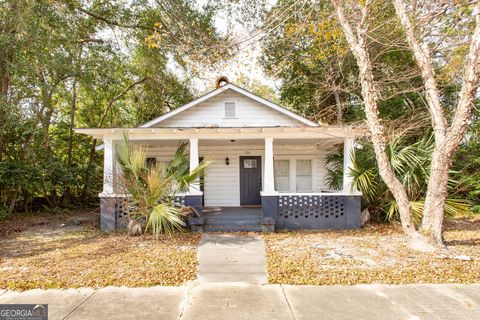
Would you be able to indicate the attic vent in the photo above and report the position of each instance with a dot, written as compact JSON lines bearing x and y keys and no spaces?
{"x":230,"y":110}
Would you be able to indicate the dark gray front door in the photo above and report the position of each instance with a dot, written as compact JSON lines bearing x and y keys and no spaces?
{"x":250,"y":180}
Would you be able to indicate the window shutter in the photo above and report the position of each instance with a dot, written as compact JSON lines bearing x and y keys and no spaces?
{"x":230,"y":110}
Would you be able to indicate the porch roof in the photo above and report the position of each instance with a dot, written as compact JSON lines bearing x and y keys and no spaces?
{"x":323,"y":132}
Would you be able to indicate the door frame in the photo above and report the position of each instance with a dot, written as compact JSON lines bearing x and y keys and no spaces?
{"x":259,"y":168}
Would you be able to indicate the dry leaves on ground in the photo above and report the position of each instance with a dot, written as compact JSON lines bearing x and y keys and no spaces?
{"x":53,"y":256}
{"x":375,"y":254}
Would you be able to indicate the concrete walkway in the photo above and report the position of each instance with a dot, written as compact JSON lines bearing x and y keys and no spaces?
{"x":231,"y":258}
{"x":248,"y":301}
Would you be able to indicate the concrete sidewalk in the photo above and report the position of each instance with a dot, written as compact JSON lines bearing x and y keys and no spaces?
{"x":249,"y":301}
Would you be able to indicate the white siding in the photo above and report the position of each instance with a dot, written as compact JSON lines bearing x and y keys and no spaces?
{"x":211,"y":113}
{"x":222,"y":182}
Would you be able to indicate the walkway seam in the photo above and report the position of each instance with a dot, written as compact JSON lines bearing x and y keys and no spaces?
{"x":1,"y":294}
{"x":79,"y":305}
{"x":186,"y":300}
{"x":288,"y":303}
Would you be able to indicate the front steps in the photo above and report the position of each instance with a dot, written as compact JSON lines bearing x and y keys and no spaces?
{"x":218,"y":224}
{"x":231,"y":219}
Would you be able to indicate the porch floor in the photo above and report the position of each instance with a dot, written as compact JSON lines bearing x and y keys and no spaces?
{"x":233,"y":219}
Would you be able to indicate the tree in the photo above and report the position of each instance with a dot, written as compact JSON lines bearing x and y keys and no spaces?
{"x":309,"y":54}
{"x":67,"y":64}
{"x":356,"y":38}
{"x":447,"y":137}
{"x":448,"y":131}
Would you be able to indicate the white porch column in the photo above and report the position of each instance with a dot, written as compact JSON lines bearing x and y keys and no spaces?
{"x":195,"y":186}
{"x":348,"y":148}
{"x":268,"y":183}
{"x":108,"y":167}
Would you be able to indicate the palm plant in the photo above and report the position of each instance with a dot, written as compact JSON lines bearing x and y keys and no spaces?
{"x":152,"y":189}
{"x":411,"y":164}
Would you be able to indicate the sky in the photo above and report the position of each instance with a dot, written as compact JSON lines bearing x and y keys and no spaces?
{"x":245,"y":62}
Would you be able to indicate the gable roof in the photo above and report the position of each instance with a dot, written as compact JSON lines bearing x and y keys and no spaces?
{"x":230,"y":86}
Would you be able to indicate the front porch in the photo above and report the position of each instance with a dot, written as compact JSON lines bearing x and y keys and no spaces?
{"x":280,"y":170}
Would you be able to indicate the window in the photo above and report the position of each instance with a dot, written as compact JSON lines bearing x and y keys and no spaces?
{"x":230,"y":110}
{"x":249,"y":163}
{"x":304,"y":175}
{"x":282,"y":175}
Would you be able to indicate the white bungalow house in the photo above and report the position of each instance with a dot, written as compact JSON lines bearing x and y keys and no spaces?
{"x":263,"y":157}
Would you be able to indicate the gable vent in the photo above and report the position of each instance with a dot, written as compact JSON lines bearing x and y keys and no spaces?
{"x":230,"y":110}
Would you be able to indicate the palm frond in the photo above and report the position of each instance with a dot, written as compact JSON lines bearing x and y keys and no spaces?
{"x":164,"y":218}
{"x":453,"y":208}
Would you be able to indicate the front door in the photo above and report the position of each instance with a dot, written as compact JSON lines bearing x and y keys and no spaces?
{"x":250,"y":180}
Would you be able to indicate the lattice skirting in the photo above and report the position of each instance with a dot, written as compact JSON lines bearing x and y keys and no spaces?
{"x":114,"y":211}
{"x":316,"y":211}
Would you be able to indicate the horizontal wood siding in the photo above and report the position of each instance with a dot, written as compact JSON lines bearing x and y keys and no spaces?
{"x":211,"y":113}
{"x":222,"y":182}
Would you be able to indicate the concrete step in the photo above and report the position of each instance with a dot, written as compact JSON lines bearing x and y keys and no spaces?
{"x":232,"y":228}
{"x":221,"y":221}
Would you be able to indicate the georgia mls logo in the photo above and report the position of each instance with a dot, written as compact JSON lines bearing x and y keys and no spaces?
{"x":23,"y":311}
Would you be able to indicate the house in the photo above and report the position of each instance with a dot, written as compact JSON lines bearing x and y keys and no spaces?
{"x":265,"y":159}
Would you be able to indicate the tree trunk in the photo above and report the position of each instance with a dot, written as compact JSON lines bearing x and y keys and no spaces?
{"x":73,"y":109}
{"x":72,"y":123}
{"x":13,"y":201}
{"x":437,"y":193}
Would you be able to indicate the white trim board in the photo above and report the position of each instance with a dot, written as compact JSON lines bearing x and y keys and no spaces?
{"x":237,"y":89}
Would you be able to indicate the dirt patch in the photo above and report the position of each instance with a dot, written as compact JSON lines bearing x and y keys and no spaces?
{"x":56,"y":222}
{"x":375,"y":254}
{"x":51,"y":251}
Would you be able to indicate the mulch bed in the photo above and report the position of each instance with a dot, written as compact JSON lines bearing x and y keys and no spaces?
{"x":61,"y":251}
{"x":375,"y":254}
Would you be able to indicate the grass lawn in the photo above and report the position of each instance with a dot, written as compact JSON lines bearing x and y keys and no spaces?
{"x":375,"y":254}
{"x":51,"y":251}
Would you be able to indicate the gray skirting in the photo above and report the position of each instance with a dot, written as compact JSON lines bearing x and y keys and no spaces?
{"x":313,"y":211}
{"x":286,"y":211}
{"x":114,"y":211}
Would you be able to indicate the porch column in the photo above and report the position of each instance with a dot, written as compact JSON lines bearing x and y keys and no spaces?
{"x":195,"y":186}
{"x":268,"y":183}
{"x":108,"y":167}
{"x":348,"y":149}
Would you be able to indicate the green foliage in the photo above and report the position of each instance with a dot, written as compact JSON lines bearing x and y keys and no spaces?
{"x":467,"y":165}
{"x":309,"y":54}
{"x":4,"y":213}
{"x":411,"y":163}
{"x":69,"y":64}
{"x":153,"y":188}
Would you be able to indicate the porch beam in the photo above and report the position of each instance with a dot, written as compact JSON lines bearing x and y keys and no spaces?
{"x":348,"y":149}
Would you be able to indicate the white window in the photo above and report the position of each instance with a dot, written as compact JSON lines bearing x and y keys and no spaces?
{"x":304,"y":175}
{"x":230,"y":109}
{"x":249,"y":163}
{"x":282,"y":175}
